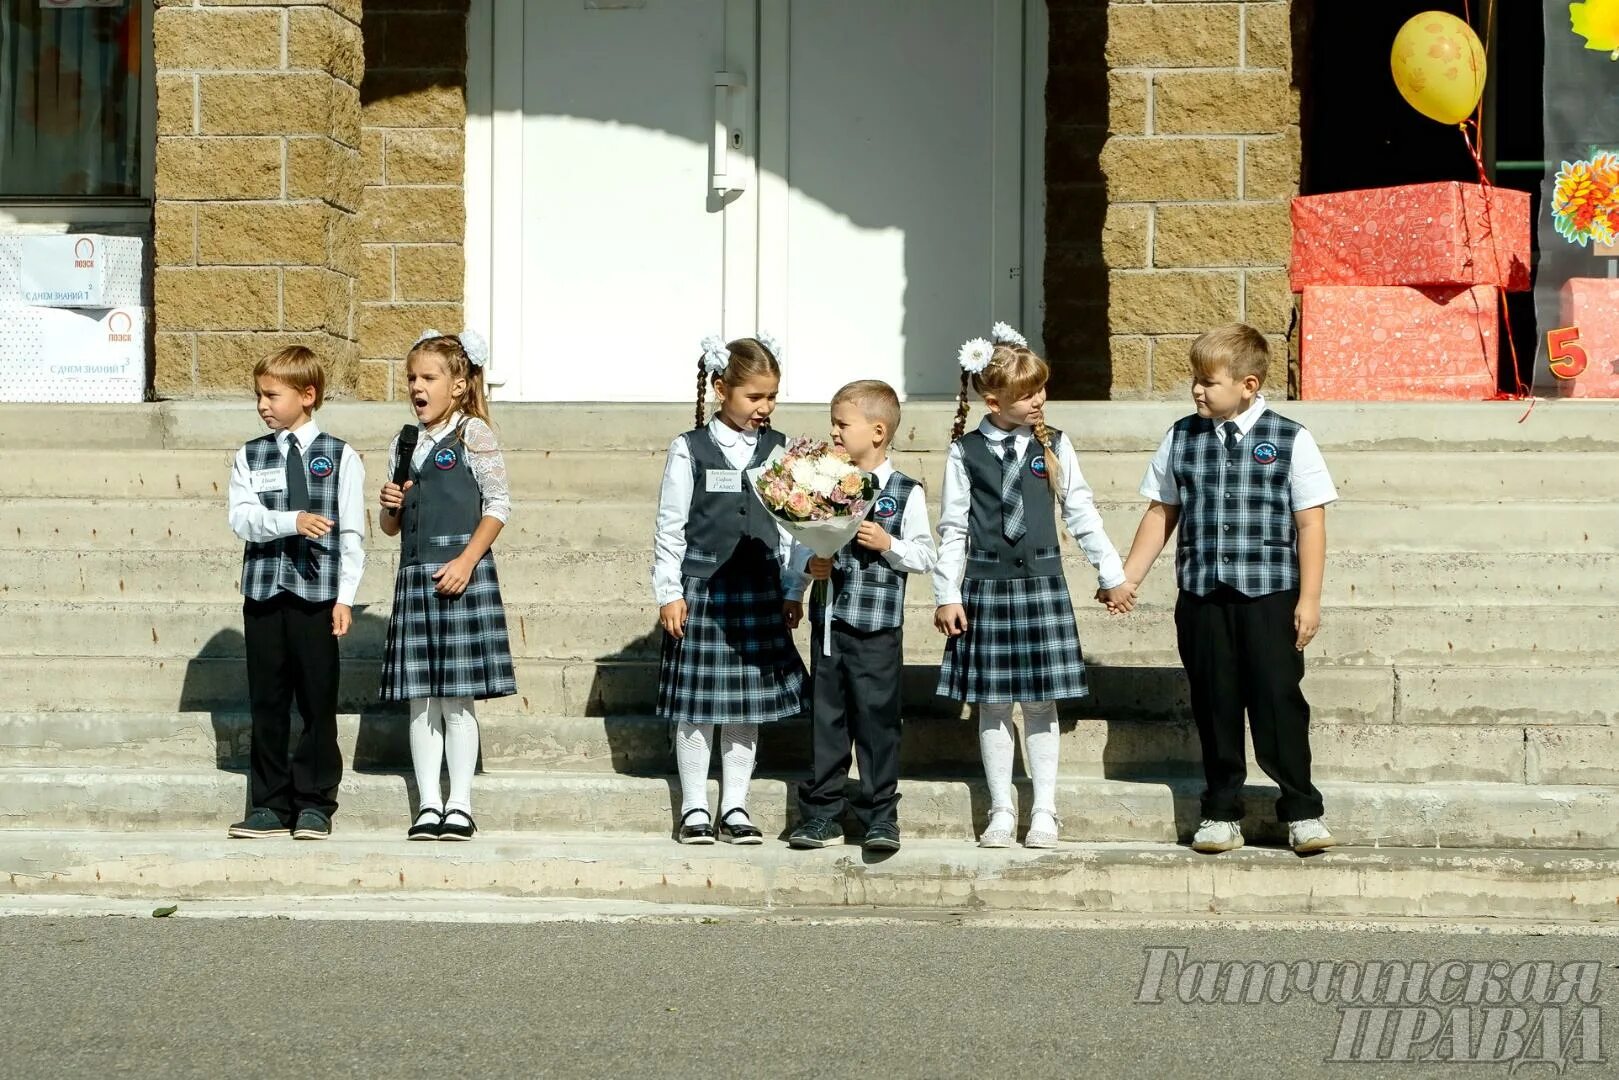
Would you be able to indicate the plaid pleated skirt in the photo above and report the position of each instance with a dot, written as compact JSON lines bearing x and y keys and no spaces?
{"x":447,"y":646}
{"x":1021,"y":644}
{"x":737,"y":663}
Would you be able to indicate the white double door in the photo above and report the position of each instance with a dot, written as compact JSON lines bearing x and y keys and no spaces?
{"x":847,"y":174}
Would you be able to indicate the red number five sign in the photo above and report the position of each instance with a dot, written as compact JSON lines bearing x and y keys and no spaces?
{"x":1567,"y":355}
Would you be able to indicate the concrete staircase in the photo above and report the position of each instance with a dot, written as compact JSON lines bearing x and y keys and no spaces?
{"x":1467,"y":710}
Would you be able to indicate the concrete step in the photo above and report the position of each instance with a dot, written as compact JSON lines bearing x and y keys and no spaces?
{"x":1404,"y":694}
{"x":1096,"y":425}
{"x":596,"y":476}
{"x":528,"y":575}
{"x":1394,"y":815}
{"x":192,"y":524}
{"x":1133,"y":879}
{"x":934,"y":745}
{"x":1560,"y":636}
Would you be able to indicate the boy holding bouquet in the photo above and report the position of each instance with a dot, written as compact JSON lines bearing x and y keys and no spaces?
{"x":857,"y":680}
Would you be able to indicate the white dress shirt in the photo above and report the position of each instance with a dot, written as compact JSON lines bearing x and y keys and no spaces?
{"x":913,"y":551}
{"x":1308,"y":479}
{"x":256,"y":523}
{"x":484,"y":460}
{"x":674,"y":509}
{"x":1078,"y":511}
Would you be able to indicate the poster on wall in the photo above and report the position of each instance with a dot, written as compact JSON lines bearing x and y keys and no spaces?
{"x":1577,"y":280}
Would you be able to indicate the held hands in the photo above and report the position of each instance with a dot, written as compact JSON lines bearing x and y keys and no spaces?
{"x":452,"y":577}
{"x":1120,"y":599}
{"x":951,"y":620}
{"x":313,"y":526}
{"x":820,"y":569}
{"x":873,"y":537}
{"x":672,"y":617}
{"x":342,"y":620}
{"x":393,"y":495}
{"x":793,"y":612}
{"x":1306,"y":621}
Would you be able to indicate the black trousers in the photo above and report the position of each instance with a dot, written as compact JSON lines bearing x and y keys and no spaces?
{"x":292,"y":656}
{"x":1239,"y":656}
{"x":857,"y":701}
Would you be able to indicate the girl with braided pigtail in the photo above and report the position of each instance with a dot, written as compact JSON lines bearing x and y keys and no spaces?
{"x":1003,"y":600}
{"x":721,"y":578}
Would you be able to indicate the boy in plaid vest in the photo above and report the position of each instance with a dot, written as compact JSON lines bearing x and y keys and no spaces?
{"x":296,"y":500}
{"x":857,"y":687}
{"x":1249,"y":491}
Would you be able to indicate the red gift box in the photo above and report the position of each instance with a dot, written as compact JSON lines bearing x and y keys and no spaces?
{"x":1419,"y":234}
{"x":1399,"y":343}
{"x":1592,"y":306}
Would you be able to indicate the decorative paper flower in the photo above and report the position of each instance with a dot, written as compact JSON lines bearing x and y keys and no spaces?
{"x":1597,"y":21}
{"x":715,"y":354}
{"x":1585,"y":203}
{"x":975,"y":355}
{"x":476,"y":348}
{"x":1003,"y":334}
{"x":769,"y":341}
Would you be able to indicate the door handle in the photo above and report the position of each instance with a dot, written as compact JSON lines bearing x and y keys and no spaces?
{"x":730,"y":135}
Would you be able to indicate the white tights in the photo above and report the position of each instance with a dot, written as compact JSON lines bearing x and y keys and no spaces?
{"x":444,"y":728}
{"x":995,"y":743}
{"x":739,"y":746}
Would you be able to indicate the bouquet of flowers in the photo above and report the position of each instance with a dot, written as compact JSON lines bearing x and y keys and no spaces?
{"x":818,"y":496}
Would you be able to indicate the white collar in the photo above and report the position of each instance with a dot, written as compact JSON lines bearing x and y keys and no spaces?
{"x":726,"y":435}
{"x":883,"y":472}
{"x":305,"y":435}
{"x":446,"y":425}
{"x":995,"y":433}
{"x":1248,"y":417}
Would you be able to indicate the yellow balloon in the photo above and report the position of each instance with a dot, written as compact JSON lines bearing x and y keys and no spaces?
{"x":1438,"y":66}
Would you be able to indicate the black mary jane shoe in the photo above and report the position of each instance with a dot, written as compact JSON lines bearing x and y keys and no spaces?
{"x":700,"y":833}
{"x":744,"y":833}
{"x":453,"y":830}
{"x":426,"y":828}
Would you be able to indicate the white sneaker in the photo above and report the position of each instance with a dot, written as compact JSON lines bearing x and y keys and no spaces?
{"x":1214,"y":837}
{"x":1309,"y":835}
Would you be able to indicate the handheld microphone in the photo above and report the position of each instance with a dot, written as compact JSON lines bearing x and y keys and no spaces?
{"x":407,"y":447}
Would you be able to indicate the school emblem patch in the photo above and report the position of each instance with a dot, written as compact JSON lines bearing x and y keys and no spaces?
{"x":1038,"y":467}
{"x":886,"y":507}
{"x":1265,"y":454}
{"x":445,"y":458}
{"x":320,"y":467}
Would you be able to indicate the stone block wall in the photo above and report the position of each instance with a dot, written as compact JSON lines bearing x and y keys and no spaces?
{"x":258,"y":190}
{"x":413,"y":127}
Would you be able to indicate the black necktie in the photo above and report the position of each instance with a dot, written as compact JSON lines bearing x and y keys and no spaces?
{"x":297,"y":482}
{"x":1012,"y":526}
{"x":1228,"y":435}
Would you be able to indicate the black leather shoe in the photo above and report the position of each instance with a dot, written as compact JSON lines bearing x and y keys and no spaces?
{"x":816,"y":833}
{"x":312,"y":825}
{"x":882,"y":836}
{"x":458,"y":825}
{"x":260,"y":822}
{"x":742,"y":832}
{"x":701,"y":832}
{"x":428,"y":824}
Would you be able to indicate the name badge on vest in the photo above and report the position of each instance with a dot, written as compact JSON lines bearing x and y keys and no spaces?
{"x":263,"y":480}
{"x":724,"y":481}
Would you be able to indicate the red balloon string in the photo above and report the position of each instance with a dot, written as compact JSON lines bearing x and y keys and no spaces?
{"x":1520,"y":391}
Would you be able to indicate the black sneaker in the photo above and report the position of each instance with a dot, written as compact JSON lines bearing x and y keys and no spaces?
{"x":312,"y":825}
{"x":816,"y":833}
{"x":882,"y":836}
{"x":260,"y":822}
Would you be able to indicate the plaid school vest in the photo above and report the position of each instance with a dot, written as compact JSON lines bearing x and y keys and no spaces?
{"x":990,"y":556}
{"x":1236,"y":520}
{"x":306,"y":568}
{"x":442,"y":507}
{"x":719,"y":522}
{"x":867,"y":593}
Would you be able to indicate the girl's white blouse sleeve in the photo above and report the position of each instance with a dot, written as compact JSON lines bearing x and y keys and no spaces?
{"x":488,"y":467}
{"x":953,"y":511}
{"x":669,"y":535}
{"x":1084,"y":521}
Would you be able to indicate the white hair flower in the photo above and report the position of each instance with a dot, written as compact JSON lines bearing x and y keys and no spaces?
{"x":769,"y":341}
{"x":716,"y":355}
{"x":424,"y":336}
{"x":476,"y":348}
{"x":975,"y":355}
{"x":1003,"y":334}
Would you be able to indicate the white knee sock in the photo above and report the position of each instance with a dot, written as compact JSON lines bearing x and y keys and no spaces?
{"x":427,"y":749}
{"x":1041,"y":735}
{"x":995,"y":744}
{"x":694,"y":746}
{"x":739,"y":747}
{"x":460,"y":749}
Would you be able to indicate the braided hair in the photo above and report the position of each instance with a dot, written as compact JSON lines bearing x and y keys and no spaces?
{"x":749,"y":357}
{"x":1014,"y":372}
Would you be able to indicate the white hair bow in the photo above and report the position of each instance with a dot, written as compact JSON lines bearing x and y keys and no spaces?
{"x":472,"y":343}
